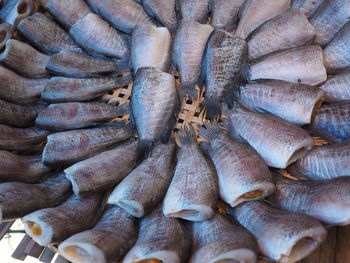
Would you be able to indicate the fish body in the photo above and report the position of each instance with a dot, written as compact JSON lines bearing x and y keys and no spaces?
{"x":6,"y":31}
{"x":15,"y":11}
{"x":337,"y":88}
{"x":224,"y":13}
{"x":163,"y":10}
{"x":197,"y":10}
{"x":307,"y":7}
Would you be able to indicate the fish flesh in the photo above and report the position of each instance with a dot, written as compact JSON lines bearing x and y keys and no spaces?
{"x":24,"y":59}
{"x":19,"y":199}
{"x":150,"y":47}
{"x":236,"y":162}
{"x":162,"y":10}
{"x":188,"y":52}
{"x":69,"y":147}
{"x":287,"y":30}
{"x":73,"y":115}
{"x":296,"y":103}
{"x":327,"y":201}
{"x":104,"y":170}
{"x":282,"y":236}
{"x":21,"y":139}
{"x":55,"y":224}
{"x":62,"y":89}
{"x":193,"y":191}
{"x":256,"y":12}
{"x":6,"y":32}
{"x":329,"y":19}
{"x":154,"y":106}
{"x":337,"y":88}
{"x":307,"y":7}
{"x":277,"y":141}
{"x":224,"y":13}
{"x":337,"y":53}
{"x":146,"y":185}
{"x":96,"y":36}
{"x":45,"y":34}
{"x":300,"y":65}
{"x":221,"y":240}
{"x":224,"y":69}
{"x":161,"y":239}
{"x":110,"y":239}
{"x":197,"y":10}
{"x":17,"y":10}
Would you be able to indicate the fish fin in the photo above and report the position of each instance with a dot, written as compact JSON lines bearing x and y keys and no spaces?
{"x":188,"y":91}
{"x":212,"y":108}
{"x":187,"y":135}
{"x":205,"y":146}
{"x":315,"y":132}
{"x":123,"y":109}
{"x":210,"y":130}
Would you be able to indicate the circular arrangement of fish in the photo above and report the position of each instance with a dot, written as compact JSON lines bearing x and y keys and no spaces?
{"x":270,"y":77}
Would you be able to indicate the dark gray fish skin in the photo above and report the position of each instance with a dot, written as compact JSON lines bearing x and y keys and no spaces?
{"x":19,"y":199}
{"x":19,"y":115}
{"x":154,"y":105}
{"x":307,"y":7}
{"x":327,"y":201}
{"x":161,"y":239}
{"x":21,"y":139}
{"x":77,"y":65}
{"x":6,"y":31}
{"x":188,"y":49}
{"x":277,"y":141}
{"x":337,"y":88}
{"x":24,"y":59}
{"x":282,"y":236}
{"x":110,"y":239}
{"x":162,"y":10}
{"x":74,"y":115}
{"x":61,"y":89}
{"x":224,"y":67}
{"x":96,"y":36}
{"x":334,"y":118}
{"x":236,"y":162}
{"x":55,"y":224}
{"x":21,"y":168}
{"x":103,"y":171}
{"x":45,"y":34}
{"x":66,"y":148}
{"x":197,"y":10}
{"x":296,"y":103}
{"x":124,"y":15}
{"x":219,"y":240}
{"x":146,"y":185}
{"x":224,"y":13}
{"x":329,"y":19}
{"x":15,"y":11}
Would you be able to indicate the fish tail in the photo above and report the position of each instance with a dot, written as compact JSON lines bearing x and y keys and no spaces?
{"x":187,"y":135}
{"x":144,"y":147}
{"x":210,"y":130}
{"x":188,"y":91}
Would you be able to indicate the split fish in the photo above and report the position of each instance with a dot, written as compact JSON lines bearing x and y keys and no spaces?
{"x":224,"y":13}
{"x":337,"y":88}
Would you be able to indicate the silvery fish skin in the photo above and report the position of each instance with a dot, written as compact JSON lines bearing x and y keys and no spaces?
{"x":161,"y":239}
{"x":146,"y":185}
{"x":6,"y":31}
{"x":219,"y":240}
{"x":256,"y":12}
{"x":73,"y":115}
{"x":45,"y":34}
{"x":21,"y":168}
{"x":337,"y":53}
{"x":337,"y":88}
{"x":61,"y":89}
{"x":6,"y":8}
{"x":21,"y":139}
{"x":188,"y":52}
{"x":110,"y":239}
{"x":224,"y":67}
{"x":224,"y":13}
{"x":124,"y":15}
{"x":277,"y":141}
{"x":197,"y":10}
{"x":104,"y":170}
{"x":296,"y":103}
{"x":151,"y":47}
{"x":96,"y":36}
{"x":333,"y":118}
{"x":282,"y":236}
{"x":24,"y":59}
{"x":77,"y":65}
{"x":19,"y":115}
{"x":20,"y":10}
{"x":163,"y":11}
{"x":307,"y":7}
{"x":19,"y":199}
{"x":300,"y":65}
{"x":288,"y":30}
{"x":236,"y":162}
{"x":327,"y":201}
{"x":329,"y":19}
{"x":154,"y":105}
{"x":193,"y":191}
{"x":55,"y":224}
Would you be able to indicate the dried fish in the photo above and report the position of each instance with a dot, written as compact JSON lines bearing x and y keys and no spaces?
{"x":6,"y":31}
{"x":197,"y":10}
{"x":307,"y":7}
{"x":235,"y":162}
{"x":224,"y":13}
{"x":163,"y":11}
{"x":337,"y":88}
{"x":146,"y":185}
{"x":110,"y":239}
{"x":16,"y":10}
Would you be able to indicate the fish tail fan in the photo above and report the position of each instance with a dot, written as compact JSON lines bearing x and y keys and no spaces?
{"x":187,"y":135}
{"x":210,"y":130}
{"x":212,"y":108}
{"x":188,"y":91}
